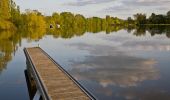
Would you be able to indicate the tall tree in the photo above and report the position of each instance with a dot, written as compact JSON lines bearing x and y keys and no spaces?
{"x":35,"y":19}
{"x":5,"y":9}
{"x":140,"y":18}
{"x":15,"y":14}
{"x":168,"y":13}
{"x":67,"y":19}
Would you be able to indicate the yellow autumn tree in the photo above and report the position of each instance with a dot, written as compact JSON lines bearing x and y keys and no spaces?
{"x":5,"y":9}
{"x":35,"y":19}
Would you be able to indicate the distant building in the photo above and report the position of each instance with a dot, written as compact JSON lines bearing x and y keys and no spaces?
{"x":58,"y":25}
{"x":51,"y":26}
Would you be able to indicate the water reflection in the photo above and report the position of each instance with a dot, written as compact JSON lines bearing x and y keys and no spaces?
{"x":109,"y":66}
{"x":11,"y":40}
{"x":7,"y":48}
{"x":152,"y":93}
{"x":153,"y":30}
{"x":32,"y":34}
{"x":116,"y":69}
{"x":147,"y":45}
{"x":69,"y":32}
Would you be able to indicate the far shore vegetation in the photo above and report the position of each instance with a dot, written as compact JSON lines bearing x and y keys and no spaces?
{"x":12,"y":19}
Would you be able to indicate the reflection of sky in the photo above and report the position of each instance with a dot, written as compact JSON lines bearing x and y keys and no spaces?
{"x":109,"y":66}
{"x":115,"y":66}
{"x":12,"y":79}
{"x":120,"y":62}
{"x":152,"y":93}
{"x":143,"y":43}
{"x":120,"y":8}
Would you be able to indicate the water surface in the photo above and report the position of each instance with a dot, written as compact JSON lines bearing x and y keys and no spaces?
{"x":121,"y":65}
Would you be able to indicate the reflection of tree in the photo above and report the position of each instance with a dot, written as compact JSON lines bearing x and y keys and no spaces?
{"x":139,"y":31}
{"x":10,"y":39}
{"x":153,"y":30}
{"x":69,"y":32}
{"x":4,"y":59}
{"x":33,"y":33}
{"x":76,"y":30}
{"x":168,"y":34}
{"x":7,"y":47}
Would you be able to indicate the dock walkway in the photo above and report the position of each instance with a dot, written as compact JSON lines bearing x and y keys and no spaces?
{"x":53,"y":82}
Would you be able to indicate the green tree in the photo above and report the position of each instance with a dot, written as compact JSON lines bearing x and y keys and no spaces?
{"x":168,"y":13}
{"x":56,"y":18}
{"x":168,"y":18}
{"x":79,"y":20}
{"x":130,"y":20}
{"x":5,"y":9}
{"x":35,"y":19}
{"x":67,"y":19}
{"x":15,"y":14}
{"x":79,"y":26}
{"x":140,"y":18}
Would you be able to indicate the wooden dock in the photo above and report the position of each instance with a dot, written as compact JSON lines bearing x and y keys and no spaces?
{"x":52,"y":81}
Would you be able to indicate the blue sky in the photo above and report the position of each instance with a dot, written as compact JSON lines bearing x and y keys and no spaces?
{"x":101,"y":8}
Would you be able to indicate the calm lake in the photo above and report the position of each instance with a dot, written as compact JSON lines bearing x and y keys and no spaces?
{"x":120,"y":65}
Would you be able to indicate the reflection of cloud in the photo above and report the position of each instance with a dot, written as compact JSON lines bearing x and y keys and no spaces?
{"x":87,"y":2}
{"x":109,"y":66}
{"x":107,"y":91}
{"x":129,"y":43}
{"x":147,"y":46}
{"x":151,"y":94}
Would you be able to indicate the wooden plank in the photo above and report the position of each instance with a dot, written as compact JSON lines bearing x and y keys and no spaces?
{"x":58,"y":85}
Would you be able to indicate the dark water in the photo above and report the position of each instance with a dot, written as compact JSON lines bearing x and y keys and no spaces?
{"x":122,"y":65}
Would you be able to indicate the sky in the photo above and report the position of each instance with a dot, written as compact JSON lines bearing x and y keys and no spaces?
{"x":100,"y":8}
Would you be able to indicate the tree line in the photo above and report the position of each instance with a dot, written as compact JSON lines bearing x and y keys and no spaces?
{"x":153,"y":19}
{"x":12,"y":18}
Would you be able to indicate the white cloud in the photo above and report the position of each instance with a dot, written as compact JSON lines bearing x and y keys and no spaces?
{"x":87,"y":2}
{"x":130,"y":7}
